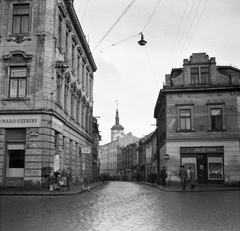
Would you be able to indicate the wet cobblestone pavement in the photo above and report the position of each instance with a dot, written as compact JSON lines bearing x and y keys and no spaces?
{"x":120,"y":206}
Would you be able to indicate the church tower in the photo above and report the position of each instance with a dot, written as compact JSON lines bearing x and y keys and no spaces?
{"x":117,"y":131}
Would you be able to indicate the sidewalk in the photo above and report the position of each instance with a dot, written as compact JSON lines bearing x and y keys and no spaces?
{"x":198,"y":188}
{"x":74,"y":189}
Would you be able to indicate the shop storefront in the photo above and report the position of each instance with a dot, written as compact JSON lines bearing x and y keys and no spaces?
{"x":206,"y":162}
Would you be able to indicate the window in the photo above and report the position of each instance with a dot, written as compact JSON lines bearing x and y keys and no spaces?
{"x":72,"y":105}
{"x":216,"y":119}
{"x":59,"y":90}
{"x":73,"y":55}
{"x":18,"y":82}
{"x":185,"y":119}
{"x":20,"y":19}
{"x":204,"y":75}
{"x":82,"y":116}
{"x":77,"y":110}
{"x":66,"y":42}
{"x":65,"y":95}
{"x":60,"y":30}
{"x":194,"y":75}
{"x":83,"y":76}
{"x":78,"y":65}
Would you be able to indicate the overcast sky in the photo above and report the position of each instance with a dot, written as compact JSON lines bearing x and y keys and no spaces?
{"x":133,"y":75}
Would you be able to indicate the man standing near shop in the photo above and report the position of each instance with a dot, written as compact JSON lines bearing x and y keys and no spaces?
{"x":183,"y":176}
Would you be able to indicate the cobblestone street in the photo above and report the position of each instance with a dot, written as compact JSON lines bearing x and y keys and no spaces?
{"x":123,"y":206}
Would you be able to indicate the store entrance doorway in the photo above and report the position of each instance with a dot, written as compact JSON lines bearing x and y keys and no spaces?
{"x":202,"y":171}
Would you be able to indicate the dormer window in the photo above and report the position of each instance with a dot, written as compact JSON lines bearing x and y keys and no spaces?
{"x":199,"y":75}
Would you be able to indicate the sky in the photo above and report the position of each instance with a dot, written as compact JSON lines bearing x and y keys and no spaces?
{"x":130,"y":76}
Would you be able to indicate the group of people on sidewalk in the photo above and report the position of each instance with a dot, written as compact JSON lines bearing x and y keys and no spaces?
{"x":60,"y":180}
{"x":183,"y":174}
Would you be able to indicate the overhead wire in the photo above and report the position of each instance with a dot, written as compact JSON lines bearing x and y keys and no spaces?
{"x":114,"y":24}
{"x":151,"y":16}
{"x":192,"y":21}
{"x":175,"y":42}
{"x":196,"y":25}
{"x":183,"y":31}
{"x":151,"y":65}
{"x":85,"y":11}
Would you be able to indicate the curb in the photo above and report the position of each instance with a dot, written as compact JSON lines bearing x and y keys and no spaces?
{"x":48,"y":193}
{"x":192,"y":191}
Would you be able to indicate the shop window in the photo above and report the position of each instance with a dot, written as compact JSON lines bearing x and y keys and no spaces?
{"x":185,"y":119}
{"x":216,"y":119}
{"x":215,"y":168}
{"x":16,"y":158}
{"x":20,"y":22}
{"x":18,"y":82}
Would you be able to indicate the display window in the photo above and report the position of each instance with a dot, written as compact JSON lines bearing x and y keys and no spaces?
{"x":190,"y":162}
{"x":215,"y":168}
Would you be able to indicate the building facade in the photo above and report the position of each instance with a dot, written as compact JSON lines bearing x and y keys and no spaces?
{"x":197,"y":114}
{"x":46,"y":93}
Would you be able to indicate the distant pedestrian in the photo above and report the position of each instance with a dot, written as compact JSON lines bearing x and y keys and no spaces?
{"x":86,"y":183}
{"x":64,"y":176}
{"x":192,"y":177}
{"x":51,"y":181}
{"x":163,"y":176}
{"x":69,"y":179}
{"x":183,"y":176}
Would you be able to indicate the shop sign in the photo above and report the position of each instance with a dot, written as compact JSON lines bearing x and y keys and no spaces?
{"x":57,"y":125}
{"x":20,"y":121}
{"x":86,"y":150}
{"x":201,"y":150}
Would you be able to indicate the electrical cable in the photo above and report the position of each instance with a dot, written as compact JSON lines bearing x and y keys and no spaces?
{"x":192,"y":21}
{"x":114,"y":44}
{"x":196,"y":25}
{"x":151,"y":65}
{"x":183,"y":31}
{"x":85,"y":11}
{"x":151,"y":15}
{"x":114,"y":24}
{"x":177,"y":34}
{"x":80,"y":7}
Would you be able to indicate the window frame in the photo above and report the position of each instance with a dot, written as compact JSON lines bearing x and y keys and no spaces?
{"x":11,"y":15}
{"x":186,"y":119}
{"x":216,"y":106}
{"x":185,"y":107}
{"x":20,"y":77}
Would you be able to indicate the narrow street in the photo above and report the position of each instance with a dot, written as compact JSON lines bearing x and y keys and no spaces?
{"x":123,"y":206}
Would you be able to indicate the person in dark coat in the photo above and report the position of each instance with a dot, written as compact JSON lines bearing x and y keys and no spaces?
{"x":183,"y":176}
{"x":191,"y":178}
{"x":163,"y":176}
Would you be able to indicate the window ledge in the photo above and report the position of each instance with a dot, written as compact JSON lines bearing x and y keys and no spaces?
{"x":217,"y":130}
{"x":192,"y":130}
{"x":16,"y":99}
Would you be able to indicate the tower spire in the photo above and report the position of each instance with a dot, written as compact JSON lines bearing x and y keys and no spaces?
{"x":117,"y":114}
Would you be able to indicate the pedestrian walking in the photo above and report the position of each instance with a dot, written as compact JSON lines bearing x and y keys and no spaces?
{"x":69,"y":179}
{"x":51,"y":181}
{"x":86,"y":183}
{"x":64,"y":176}
{"x":163,"y":176}
{"x":192,"y":178}
{"x":183,"y":176}
{"x":168,"y":177}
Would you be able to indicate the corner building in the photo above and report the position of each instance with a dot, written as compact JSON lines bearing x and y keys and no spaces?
{"x":197,"y":114}
{"x":46,"y":92}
